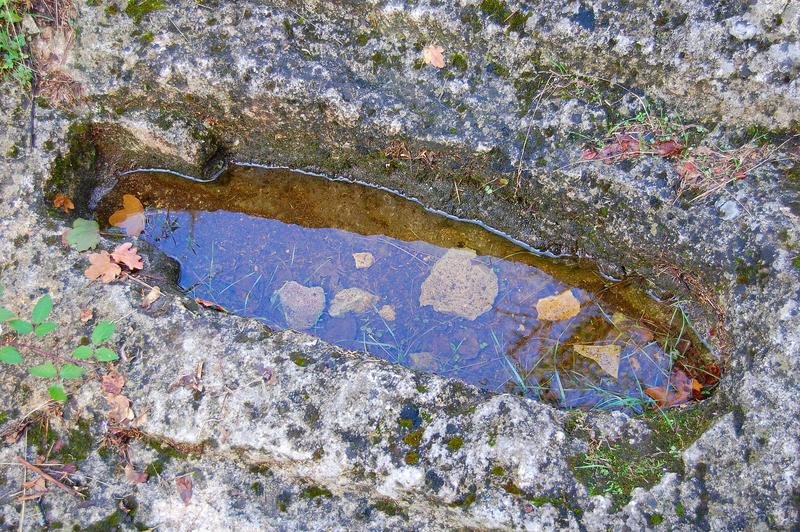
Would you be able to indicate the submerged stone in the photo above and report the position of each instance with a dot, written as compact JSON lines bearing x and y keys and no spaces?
{"x":302,"y":305}
{"x":353,"y":300}
{"x":460,"y":286}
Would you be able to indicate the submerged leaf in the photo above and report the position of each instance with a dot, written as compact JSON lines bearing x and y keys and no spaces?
{"x":556,"y":308}
{"x":84,"y":235}
{"x":607,"y":356}
{"x":131,"y":217}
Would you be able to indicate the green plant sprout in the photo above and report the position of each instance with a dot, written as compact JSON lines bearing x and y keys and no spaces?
{"x":51,"y":365}
{"x":13,"y":59}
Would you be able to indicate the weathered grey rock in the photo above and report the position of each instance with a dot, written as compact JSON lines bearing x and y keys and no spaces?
{"x":328,"y":86}
{"x":302,"y":305}
{"x":355,"y":300}
{"x":459,"y":285}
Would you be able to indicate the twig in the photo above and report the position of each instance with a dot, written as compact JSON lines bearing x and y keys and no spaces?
{"x":72,"y":491}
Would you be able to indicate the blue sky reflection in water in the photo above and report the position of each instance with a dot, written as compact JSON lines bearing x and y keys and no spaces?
{"x":240,"y":242}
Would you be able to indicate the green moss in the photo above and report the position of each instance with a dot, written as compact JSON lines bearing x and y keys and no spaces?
{"x":459,"y":61}
{"x":362,"y":39}
{"x":455,"y":443}
{"x":112,"y":522}
{"x":257,"y":488}
{"x":679,"y":511}
{"x":389,"y":507}
{"x":465,"y":501}
{"x":498,"y":471}
{"x":154,"y":469}
{"x":406,"y":423}
{"x":12,"y":152}
{"x":112,"y":10}
{"x":137,"y":9}
{"x":796,"y":262}
{"x":655,"y":519}
{"x":421,"y":388}
{"x":313,"y":492}
{"x":412,"y":457}
{"x":413,"y":438}
{"x":77,"y":445}
{"x":3,"y":417}
{"x":515,"y":20}
{"x":299,"y":359}
{"x":616,"y":469}
{"x":147,"y":38}
{"x":512,"y":488}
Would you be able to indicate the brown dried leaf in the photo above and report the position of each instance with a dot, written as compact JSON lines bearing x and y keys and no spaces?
{"x":184,"y":485}
{"x":86,"y":315}
{"x":120,"y":409}
{"x":680,"y":391}
{"x":133,"y":476}
{"x":557,"y":308}
{"x":102,"y":267}
{"x":131,"y":217}
{"x":432,"y":55}
{"x":151,"y":297}
{"x":210,"y":305}
{"x":607,"y":356}
{"x":112,"y":383}
{"x":126,"y":254}
{"x":63,"y":202}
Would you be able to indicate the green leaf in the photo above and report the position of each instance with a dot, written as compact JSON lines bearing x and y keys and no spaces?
{"x":83,"y":352}
{"x":10,"y":355}
{"x":44,"y":328}
{"x":46,"y":370}
{"x":6,"y":314}
{"x":105,"y":354}
{"x":103,"y":332}
{"x":71,"y":371}
{"x":42,"y":309}
{"x":21,"y":326}
{"x":85,"y":234}
{"x":57,"y":393}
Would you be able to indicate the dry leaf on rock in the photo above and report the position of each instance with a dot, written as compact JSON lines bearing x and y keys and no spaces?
{"x":151,"y":297}
{"x":131,"y":217}
{"x":63,"y":202}
{"x":681,"y":387}
{"x":432,"y":55}
{"x":86,"y":314}
{"x":102,"y":267}
{"x":184,"y":485}
{"x":210,"y":305}
{"x":133,"y":476}
{"x":127,"y":254}
{"x":112,"y":383}
{"x":607,"y":356}
{"x":556,"y":308}
{"x":120,"y":409}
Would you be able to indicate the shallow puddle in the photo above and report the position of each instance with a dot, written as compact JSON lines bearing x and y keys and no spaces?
{"x":366,"y":269}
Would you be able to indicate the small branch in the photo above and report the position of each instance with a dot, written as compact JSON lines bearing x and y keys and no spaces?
{"x":52,"y":356}
{"x":72,"y":491}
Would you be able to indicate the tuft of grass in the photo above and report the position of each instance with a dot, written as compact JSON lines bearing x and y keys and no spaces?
{"x":14,"y":61}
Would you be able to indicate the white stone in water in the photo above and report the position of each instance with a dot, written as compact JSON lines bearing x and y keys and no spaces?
{"x":302,"y":305}
{"x":388,"y":313}
{"x":353,"y":300}
{"x":459,"y":285}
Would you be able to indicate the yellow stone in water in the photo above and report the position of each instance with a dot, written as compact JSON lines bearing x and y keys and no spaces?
{"x":556,"y":308}
{"x":607,"y":356}
{"x":460,"y":285}
{"x":363,"y":260}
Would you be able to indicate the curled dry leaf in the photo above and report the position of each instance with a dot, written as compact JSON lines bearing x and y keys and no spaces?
{"x":184,"y":485}
{"x":102,"y":267}
{"x":432,"y":55}
{"x":133,"y":476}
{"x":127,"y":254}
{"x":120,"y":409}
{"x":556,"y":308}
{"x":151,"y":297}
{"x":63,"y":202}
{"x":112,"y":383}
{"x":131,"y":217}
{"x":607,"y":356}
{"x":210,"y":305}
{"x":86,"y":315}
